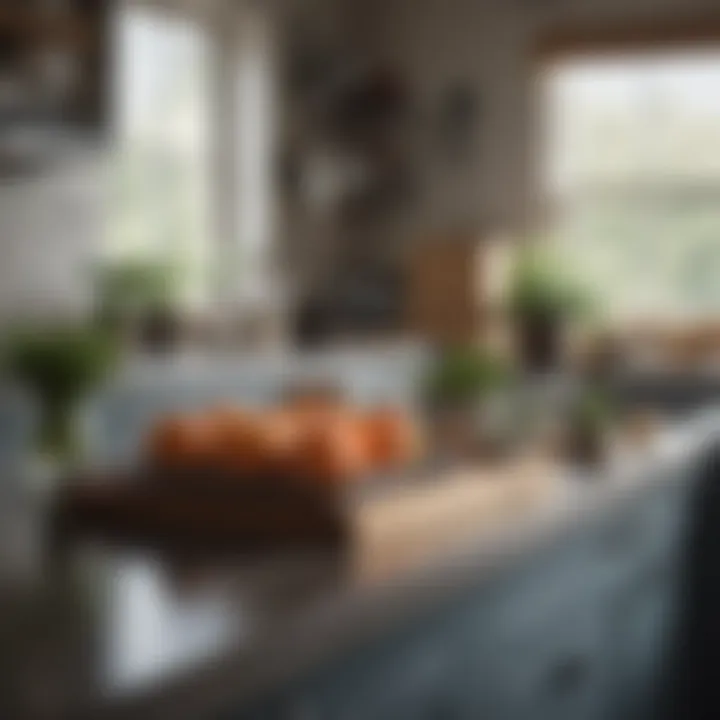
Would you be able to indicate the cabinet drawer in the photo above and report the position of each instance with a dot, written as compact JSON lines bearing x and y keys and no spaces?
{"x":414,"y":677}
{"x":554,"y":671}
{"x":644,"y":623}
{"x":409,"y":677}
{"x":647,"y":534}
{"x":530,"y":591}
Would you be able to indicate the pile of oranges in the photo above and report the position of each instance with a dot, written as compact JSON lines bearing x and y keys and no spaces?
{"x":313,"y":442}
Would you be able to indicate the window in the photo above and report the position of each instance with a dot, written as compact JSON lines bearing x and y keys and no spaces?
{"x":254,"y":115}
{"x":159,"y":170}
{"x":633,"y":178}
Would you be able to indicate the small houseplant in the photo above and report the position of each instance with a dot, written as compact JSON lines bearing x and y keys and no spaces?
{"x":588,"y":424}
{"x":541,"y":302}
{"x":59,"y":366}
{"x":141,"y":297}
{"x":459,"y":382}
{"x":462,"y":375}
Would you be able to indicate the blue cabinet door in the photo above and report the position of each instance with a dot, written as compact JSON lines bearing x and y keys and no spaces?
{"x":644,"y":609}
{"x":555,"y":670}
{"x":410,"y":676}
{"x":644,"y":626}
{"x":579,"y":629}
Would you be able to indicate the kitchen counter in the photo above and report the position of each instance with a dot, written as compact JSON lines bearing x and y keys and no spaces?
{"x":104,"y":632}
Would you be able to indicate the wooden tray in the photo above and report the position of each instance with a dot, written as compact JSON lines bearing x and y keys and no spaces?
{"x":197,"y":509}
{"x":419,"y":507}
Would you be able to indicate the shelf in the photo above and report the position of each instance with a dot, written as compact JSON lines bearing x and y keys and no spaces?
{"x":42,"y":27}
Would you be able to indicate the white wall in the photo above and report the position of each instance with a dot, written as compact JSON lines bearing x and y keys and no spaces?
{"x":51,"y":226}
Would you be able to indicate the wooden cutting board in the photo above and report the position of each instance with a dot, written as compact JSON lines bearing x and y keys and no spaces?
{"x":399,"y":528}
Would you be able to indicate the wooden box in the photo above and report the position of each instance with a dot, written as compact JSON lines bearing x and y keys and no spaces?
{"x":381,"y":522}
{"x":455,"y":288}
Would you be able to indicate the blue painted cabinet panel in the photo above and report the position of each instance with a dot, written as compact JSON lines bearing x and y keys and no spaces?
{"x":555,"y":671}
{"x":580,"y":629}
{"x":646,"y":612}
{"x":642,"y":652}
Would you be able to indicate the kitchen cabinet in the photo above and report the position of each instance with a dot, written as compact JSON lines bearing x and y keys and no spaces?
{"x":581,"y":628}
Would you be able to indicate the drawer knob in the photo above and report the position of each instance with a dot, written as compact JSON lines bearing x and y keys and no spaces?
{"x":568,"y":675}
{"x":443,"y":710}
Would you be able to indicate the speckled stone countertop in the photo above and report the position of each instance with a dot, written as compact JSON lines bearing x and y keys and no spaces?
{"x":103,"y":632}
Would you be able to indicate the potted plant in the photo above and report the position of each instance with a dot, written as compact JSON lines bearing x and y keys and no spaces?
{"x":588,"y":424}
{"x":59,"y":366}
{"x":458,"y":383}
{"x":541,"y":302}
{"x":141,"y":297}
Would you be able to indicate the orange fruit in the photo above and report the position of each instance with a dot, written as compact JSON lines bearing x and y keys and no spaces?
{"x":280,"y":433}
{"x":331,"y":453}
{"x":392,"y":437}
{"x":180,"y":441}
{"x":238,"y":443}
